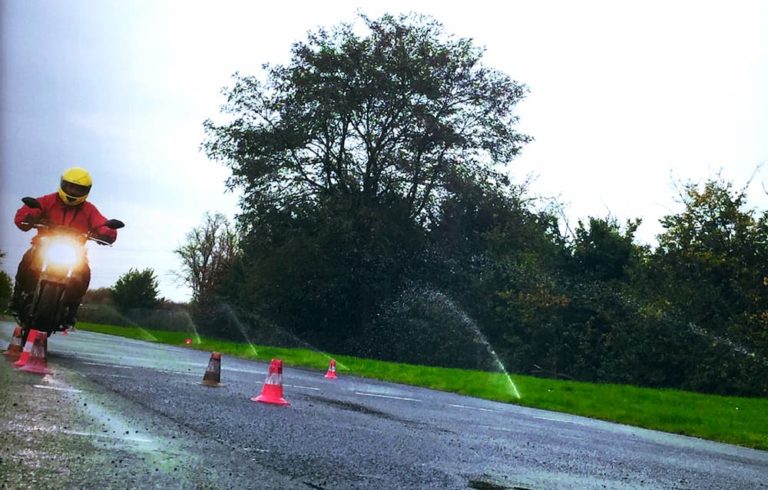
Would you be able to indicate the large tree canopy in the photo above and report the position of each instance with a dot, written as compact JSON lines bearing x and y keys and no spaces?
{"x":391,"y":116}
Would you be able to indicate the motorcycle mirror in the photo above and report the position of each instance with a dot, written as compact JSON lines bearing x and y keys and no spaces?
{"x":115,"y":224}
{"x":31,"y":202}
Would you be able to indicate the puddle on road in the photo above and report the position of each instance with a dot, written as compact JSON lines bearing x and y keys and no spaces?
{"x":353,"y":407}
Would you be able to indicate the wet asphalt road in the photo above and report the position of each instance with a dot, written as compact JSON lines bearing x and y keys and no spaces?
{"x":119,"y":413}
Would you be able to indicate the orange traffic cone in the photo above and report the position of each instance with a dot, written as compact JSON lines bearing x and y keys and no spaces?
{"x":331,"y":373}
{"x":272,"y":392}
{"x":212,"y":376}
{"x":38,"y":362}
{"x":14,"y":348}
{"x":24,"y":357}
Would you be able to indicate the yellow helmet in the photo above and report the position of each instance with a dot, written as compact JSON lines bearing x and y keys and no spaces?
{"x":75,"y":186}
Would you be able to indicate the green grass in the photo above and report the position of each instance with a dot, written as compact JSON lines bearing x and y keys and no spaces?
{"x":734,"y":420}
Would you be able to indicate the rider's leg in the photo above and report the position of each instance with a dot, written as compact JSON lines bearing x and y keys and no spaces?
{"x":26,"y":279}
{"x":75,"y":292}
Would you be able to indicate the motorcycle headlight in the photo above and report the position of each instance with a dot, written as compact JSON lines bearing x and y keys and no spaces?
{"x":62,"y":252}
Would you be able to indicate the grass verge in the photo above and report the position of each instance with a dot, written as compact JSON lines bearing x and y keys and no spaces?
{"x":733,"y":420}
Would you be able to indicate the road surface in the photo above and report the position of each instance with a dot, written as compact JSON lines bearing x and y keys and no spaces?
{"x":120,"y":413}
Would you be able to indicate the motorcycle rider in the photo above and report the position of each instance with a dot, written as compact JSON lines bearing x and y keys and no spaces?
{"x":66,"y":207}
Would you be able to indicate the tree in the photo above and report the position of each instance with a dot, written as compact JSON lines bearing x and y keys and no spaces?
{"x":709,"y":268}
{"x":389,"y":117}
{"x":136,"y":290}
{"x":207,"y":256}
{"x":713,"y":254}
{"x":344,"y":157}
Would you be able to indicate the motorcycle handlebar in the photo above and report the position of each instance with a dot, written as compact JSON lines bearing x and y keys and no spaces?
{"x":88,"y":236}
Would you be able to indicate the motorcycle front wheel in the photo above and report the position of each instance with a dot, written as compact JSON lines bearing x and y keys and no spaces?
{"x":46,"y":315}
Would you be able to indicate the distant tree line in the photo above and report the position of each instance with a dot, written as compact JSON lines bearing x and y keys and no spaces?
{"x":691,"y":312}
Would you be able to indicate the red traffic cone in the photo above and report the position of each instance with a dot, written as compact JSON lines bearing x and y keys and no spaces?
{"x":27,"y":349}
{"x":272,"y":392}
{"x":331,"y":373}
{"x":14,"y":348}
{"x":38,"y":362}
{"x":212,"y":376}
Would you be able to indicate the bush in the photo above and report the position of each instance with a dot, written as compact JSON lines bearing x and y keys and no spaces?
{"x":136,"y":290}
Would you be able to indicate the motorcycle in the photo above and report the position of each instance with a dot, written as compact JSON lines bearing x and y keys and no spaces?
{"x":59,"y":253}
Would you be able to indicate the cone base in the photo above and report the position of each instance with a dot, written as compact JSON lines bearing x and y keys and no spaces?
{"x":13,"y":352}
{"x":270,"y":400}
{"x":30,"y":368}
{"x":330,"y":376}
{"x":23,"y":359}
{"x":212,"y":384}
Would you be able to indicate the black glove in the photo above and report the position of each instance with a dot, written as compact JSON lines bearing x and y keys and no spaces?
{"x":101,"y":239}
{"x":33,"y":219}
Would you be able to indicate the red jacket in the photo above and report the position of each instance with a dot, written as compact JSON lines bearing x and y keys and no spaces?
{"x":83,"y":217}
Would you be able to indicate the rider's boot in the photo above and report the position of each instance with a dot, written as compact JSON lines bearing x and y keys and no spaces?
{"x":69,"y":319}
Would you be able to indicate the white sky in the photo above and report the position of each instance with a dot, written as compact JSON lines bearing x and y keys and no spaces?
{"x":625,"y":98}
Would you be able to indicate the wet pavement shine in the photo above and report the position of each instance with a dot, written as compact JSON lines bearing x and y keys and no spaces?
{"x":119,"y":413}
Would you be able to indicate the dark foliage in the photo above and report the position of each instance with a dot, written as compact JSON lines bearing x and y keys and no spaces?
{"x":375,"y":221}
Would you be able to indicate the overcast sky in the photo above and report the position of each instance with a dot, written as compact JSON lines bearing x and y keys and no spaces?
{"x":625,"y":99}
